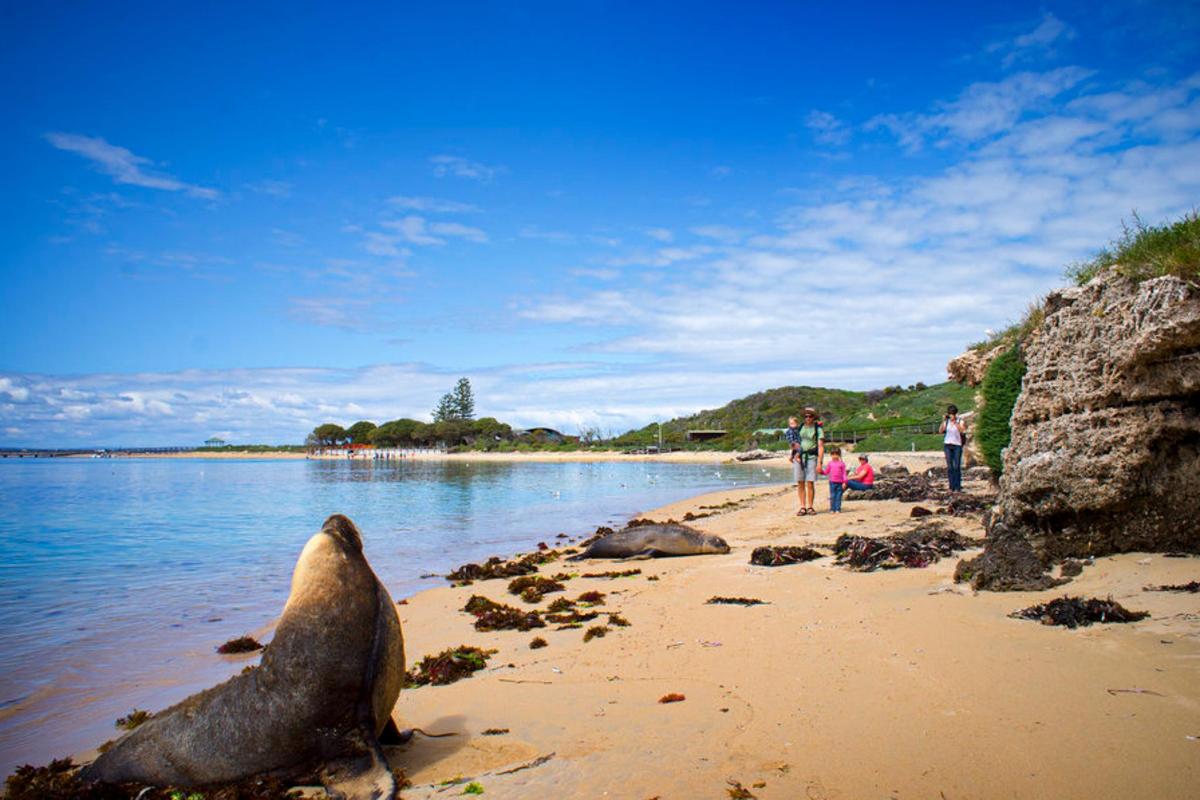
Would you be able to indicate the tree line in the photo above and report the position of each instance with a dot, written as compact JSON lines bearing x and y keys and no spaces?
{"x":453,"y":424}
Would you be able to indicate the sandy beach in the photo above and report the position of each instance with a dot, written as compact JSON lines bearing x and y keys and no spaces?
{"x":895,"y":684}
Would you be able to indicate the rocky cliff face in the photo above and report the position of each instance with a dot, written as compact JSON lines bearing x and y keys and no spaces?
{"x":1105,"y":452}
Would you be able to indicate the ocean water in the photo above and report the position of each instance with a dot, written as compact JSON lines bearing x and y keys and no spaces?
{"x":119,"y":577}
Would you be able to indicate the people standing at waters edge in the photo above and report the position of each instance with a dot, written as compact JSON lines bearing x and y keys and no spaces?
{"x":954,"y":430}
{"x":811,"y":458}
{"x":837,"y":479}
{"x":863,"y":478}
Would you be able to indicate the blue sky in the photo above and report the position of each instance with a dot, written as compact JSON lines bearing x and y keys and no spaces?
{"x":246,"y":221}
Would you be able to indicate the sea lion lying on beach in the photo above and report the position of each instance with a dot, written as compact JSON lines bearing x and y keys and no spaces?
{"x":654,"y":541}
{"x":315,"y":706}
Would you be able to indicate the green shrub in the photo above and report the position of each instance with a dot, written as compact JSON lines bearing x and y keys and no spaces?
{"x":1000,"y":388}
{"x":896,"y":443}
{"x":1148,"y":251}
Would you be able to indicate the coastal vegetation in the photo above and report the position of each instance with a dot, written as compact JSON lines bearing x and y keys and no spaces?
{"x":1148,"y":251}
{"x":1000,"y":389}
{"x":753,"y":421}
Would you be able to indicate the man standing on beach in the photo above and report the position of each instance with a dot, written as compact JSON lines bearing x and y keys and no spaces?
{"x":811,"y":459}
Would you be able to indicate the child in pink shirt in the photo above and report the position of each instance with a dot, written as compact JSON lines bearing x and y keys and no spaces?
{"x":836,"y":470}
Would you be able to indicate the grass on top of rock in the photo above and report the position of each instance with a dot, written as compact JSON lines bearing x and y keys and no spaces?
{"x":1146,"y":251}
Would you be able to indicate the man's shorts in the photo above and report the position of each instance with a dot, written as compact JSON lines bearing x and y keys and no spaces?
{"x":804,"y":468}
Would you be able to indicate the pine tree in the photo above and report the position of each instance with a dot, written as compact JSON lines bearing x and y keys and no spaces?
{"x":446,"y":408}
{"x":464,"y":400}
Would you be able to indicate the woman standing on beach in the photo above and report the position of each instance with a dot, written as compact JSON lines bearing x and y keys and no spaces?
{"x":810,"y":460}
{"x":955,"y":433}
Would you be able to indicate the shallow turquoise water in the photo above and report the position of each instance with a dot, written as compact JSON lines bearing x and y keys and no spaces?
{"x":119,"y":577}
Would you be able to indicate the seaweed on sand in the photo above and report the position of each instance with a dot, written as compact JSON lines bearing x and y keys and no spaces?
{"x":479,"y":604}
{"x":572,"y":619}
{"x":60,"y":781}
{"x":242,"y":644}
{"x":914,"y":549}
{"x":779,"y":556}
{"x":133,"y":719}
{"x":507,"y":618}
{"x":537,"y":643}
{"x":495,"y":732}
{"x":590,"y":599}
{"x":448,"y":666}
{"x":531,"y":588}
{"x":736,"y":601}
{"x":617,"y":621}
{"x":738,"y":792}
{"x":1075,"y":611}
{"x":496,"y":567}
{"x":628,"y":573}
{"x":560,"y":605}
{"x":1193,"y":587}
{"x":673,"y":697}
{"x":595,"y":632}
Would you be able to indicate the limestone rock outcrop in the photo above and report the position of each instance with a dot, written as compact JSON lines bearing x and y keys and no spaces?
{"x":1105,"y":451}
{"x":971,"y":366}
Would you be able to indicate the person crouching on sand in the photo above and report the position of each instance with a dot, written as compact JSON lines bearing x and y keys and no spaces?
{"x":863,"y":479}
{"x":836,"y":470}
{"x":808,"y":464}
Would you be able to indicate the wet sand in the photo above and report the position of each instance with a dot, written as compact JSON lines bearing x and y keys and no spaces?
{"x":847,"y":685}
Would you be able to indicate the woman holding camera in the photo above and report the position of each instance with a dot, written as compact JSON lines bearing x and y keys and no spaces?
{"x":955,"y":433}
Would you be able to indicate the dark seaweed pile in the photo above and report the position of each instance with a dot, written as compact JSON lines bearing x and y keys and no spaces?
{"x":496,"y":567}
{"x":447,"y":666}
{"x":779,"y":556}
{"x":532,"y":588}
{"x":242,"y":644}
{"x":507,"y":618}
{"x":913,"y":549}
{"x":1193,"y":587}
{"x":60,"y":781}
{"x":1076,"y":611}
{"x":920,"y":488}
{"x":628,"y":573}
{"x":736,"y":601}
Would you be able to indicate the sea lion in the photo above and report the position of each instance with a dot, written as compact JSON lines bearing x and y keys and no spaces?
{"x":654,"y":541}
{"x":316,"y":705}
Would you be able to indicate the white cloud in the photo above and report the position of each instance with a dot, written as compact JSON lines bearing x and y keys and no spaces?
{"x":418,"y":230}
{"x":272,"y":188}
{"x":123,"y":166}
{"x":660,"y":234}
{"x":983,"y":110}
{"x":1038,"y":42}
{"x":432,"y":205}
{"x":721,"y":171}
{"x":460,"y":167}
{"x":535,"y":232}
{"x":826,"y":128}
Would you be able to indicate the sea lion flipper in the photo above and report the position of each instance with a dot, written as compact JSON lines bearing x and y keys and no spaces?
{"x":392,"y":736}
{"x":363,"y":776}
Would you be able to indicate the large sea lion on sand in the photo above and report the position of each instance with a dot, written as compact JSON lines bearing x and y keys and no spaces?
{"x":317,"y":704}
{"x":654,"y":541}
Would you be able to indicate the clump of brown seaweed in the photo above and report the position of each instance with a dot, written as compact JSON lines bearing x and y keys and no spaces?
{"x":531,"y":588}
{"x":573,"y":619}
{"x":779,"y":556}
{"x":495,"y":731}
{"x":592,"y":598}
{"x":1193,"y":586}
{"x":496,"y":567}
{"x":60,"y":781}
{"x":595,"y":632}
{"x":507,"y":618}
{"x":448,"y":666}
{"x":538,"y":643}
{"x":736,"y":601}
{"x":673,"y":697}
{"x":133,"y":719}
{"x":560,"y":605}
{"x":242,"y":644}
{"x":913,"y":549}
{"x":479,"y":604}
{"x":617,"y":621}
{"x":1076,"y":611}
{"x":628,"y":573}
